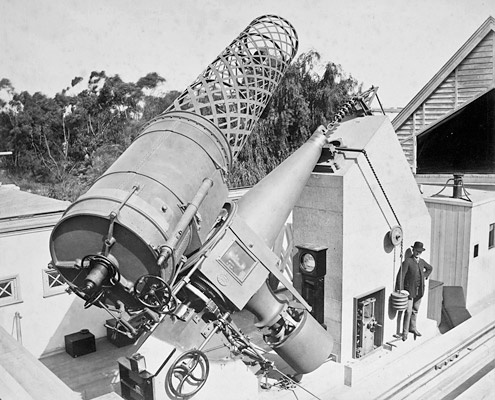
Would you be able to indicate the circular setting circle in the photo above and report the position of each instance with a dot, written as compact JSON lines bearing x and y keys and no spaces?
{"x":308,"y":263}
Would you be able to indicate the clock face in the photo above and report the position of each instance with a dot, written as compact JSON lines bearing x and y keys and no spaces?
{"x":308,"y":263}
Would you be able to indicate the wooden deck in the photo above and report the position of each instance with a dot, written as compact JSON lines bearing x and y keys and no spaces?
{"x":97,"y":374}
{"x":92,"y":375}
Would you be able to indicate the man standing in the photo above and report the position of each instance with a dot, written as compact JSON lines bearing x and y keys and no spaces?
{"x":412,"y":275}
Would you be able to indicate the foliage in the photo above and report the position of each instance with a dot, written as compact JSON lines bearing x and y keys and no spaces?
{"x":303,"y":101}
{"x":66,"y":142}
{"x":61,"y":145}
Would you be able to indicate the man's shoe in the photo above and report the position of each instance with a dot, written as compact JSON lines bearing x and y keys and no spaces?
{"x":415,"y":332}
{"x":404,"y":336}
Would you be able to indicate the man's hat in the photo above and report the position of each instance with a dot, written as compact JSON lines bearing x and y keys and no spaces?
{"x":418,"y":246}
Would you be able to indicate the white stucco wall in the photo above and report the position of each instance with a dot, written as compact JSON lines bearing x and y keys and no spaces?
{"x":45,"y":321}
{"x":481,"y":275}
{"x":318,"y":220}
{"x":367,"y":265}
{"x":347,"y":212}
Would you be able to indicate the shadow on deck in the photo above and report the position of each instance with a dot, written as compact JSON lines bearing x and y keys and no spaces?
{"x":92,"y":375}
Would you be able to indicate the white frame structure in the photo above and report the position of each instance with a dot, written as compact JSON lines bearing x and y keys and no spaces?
{"x":10,"y":290}
{"x":53,"y":283}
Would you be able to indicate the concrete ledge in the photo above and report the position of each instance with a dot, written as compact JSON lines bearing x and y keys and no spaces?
{"x":357,"y":370}
{"x":387,"y":380}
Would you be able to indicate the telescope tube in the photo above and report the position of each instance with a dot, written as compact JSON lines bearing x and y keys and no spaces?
{"x":123,"y":221}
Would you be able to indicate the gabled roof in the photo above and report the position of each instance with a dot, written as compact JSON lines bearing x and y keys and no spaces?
{"x":15,"y":203}
{"x":22,"y":211}
{"x":445,"y":71}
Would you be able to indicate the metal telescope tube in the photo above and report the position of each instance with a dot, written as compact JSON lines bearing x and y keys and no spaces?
{"x":240,"y":262}
{"x":265,"y":209}
{"x":235,"y":88}
{"x":167,"y":163}
{"x":134,"y":208}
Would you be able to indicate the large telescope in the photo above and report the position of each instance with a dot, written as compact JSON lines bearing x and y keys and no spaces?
{"x":157,"y":244}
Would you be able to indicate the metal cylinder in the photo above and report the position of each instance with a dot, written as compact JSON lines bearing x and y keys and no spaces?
{"x":134,"y":207}
{"x":458,"y":184}
{"x":307,"y":347}
{"x":266,"y":207}
{"x":265,"y":306}
{"x":95,"y":278}
{"x":144,"y":193}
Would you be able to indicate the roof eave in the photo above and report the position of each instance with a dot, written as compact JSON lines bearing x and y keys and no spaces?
{"x":443,"y":118}
{"x":443,"y":73}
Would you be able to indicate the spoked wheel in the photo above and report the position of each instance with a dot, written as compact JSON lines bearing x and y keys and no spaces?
{"x":152,"y":291}
{"x":188,"y":374}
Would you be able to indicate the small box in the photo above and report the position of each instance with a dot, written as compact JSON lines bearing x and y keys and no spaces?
{"x":135,"y":385}
{"x":80,"y":343}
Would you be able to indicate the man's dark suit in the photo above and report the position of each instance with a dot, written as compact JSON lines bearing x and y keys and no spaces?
{"x":411,"y":282}
{"x":411,"y":277}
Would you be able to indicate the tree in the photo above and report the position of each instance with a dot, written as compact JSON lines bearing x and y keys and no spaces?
{"x":302,"y":101}
{"x":68,"y":141}
{"x":150,"y":81}
{"x":155,"y":105}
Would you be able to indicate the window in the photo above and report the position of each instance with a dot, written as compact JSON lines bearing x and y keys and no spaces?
{"x":476,"y":249}
{"x":491,"y":236}
{"x":53,"y":283}
{"x":10,"y":292}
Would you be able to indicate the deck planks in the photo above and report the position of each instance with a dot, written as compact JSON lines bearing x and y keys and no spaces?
{"x":92,"y":375}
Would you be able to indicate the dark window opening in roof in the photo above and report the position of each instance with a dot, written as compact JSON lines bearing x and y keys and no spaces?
{"x":476,"y":250}
{"x":463,"y":142}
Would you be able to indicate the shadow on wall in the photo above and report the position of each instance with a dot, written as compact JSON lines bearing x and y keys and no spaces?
{"x":75,"y":319}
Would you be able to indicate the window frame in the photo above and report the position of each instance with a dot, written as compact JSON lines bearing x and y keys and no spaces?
{"x":491,"y":236}
{"x":50,"y":290}
{"x":16,"y":296}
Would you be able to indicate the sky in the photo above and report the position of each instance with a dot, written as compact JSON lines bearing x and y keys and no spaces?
{"x":396,"y":45}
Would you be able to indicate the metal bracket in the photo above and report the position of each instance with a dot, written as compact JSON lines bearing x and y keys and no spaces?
{"x":109,"y":240}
